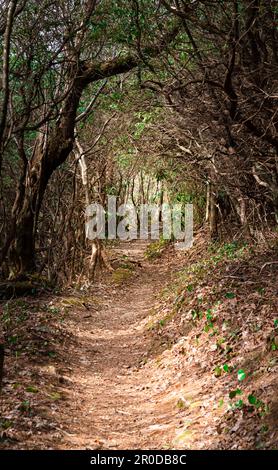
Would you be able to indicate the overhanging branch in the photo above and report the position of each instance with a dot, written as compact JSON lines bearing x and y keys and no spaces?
{"x":93,"y":72}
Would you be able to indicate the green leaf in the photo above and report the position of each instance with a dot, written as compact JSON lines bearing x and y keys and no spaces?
{"x":226,"y":368}
{"x":230,"y":295}
{"x":25,"y":406}
{"x":32,"y":389}
{"x":233,"y":393}
{"x":180,"y":403}
{"x":239,"y":404}
{"x":207,"y":328}
{"x":241,"y":375}
{"x":252,"y":399}
{"x":276,"y":323}
{"x":264,"y":429}
{"x":55,"y":396}
{"x":51,"y":354}
{"x":217,"y":371}
{"x":194,"y":314}
{"x":5,"y":423}
{"x":16,"y":386}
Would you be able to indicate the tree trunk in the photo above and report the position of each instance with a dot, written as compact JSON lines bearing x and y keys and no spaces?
{"x":2,"y":352}
{"x":208,"y":202}
{"x":213,"y":215}
{"x":22,"y":251}
{"x":161,"y":200}
{"x":21,"y":255}
{"x":49,"y":153}
{"x":59,"y":144}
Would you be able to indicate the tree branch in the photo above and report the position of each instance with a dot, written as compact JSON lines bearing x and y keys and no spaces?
{"x":93,"y":72}
{"x":85,"y":114}
{"x":6,"y":66}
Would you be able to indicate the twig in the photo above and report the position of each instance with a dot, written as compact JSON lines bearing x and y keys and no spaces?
{"x":267,"y":264}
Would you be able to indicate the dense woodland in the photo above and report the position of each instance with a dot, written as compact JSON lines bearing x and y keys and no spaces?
{"x":141,"y":99}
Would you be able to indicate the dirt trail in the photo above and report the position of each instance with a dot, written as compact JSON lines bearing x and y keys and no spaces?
{"x":115,"y":366}
{"x":117,"y":401}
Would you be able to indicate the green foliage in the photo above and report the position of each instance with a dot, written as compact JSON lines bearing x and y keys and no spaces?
{"x":241,"y":375}
{"x":217,"y":371}
{"x":55,"y":396}
{"x":234,"y":393}
{"x":12,"y":339}
{"x":258,"y":404}
{"x":32,"y":389}
{"x":155,"y":249}
{"x":181,"y":404}
{"x":121,"y":275}
{"x":184,"y":198}
{"x":125,"y":158}
{"x":210,"y":321}
{"x":228,"y":251}
{"x":238,"y":404}
{"x":25,"y":407}
{"x":143,"y":119}
{"x":196,"y":314}
{"x":252,"y":400}
{"x":230,"y":295}
{"x":51,"y":354}
{"x":220,"y":369}
{"x":5,"y":424}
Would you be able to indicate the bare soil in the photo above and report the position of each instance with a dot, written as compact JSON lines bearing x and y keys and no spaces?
{"x":101,"y":370}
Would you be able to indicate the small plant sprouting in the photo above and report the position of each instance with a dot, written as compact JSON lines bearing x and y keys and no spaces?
{"x":196,"y":314}
{"x":53,"y":310}
{"x":13,"y":339}
{"x":234,"y":393}
{"x":25,"y":406}
{"x":253,"y":401}
{"x":230,"y":295}
{"x":241,"y":375}
{"x":181,"y":404}
{"x":258,"y":404}
{"x":238,"y":405}
{"x":219,"y":369}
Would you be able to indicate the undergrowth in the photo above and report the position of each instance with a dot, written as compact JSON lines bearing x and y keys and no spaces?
{"x":226,"y":311}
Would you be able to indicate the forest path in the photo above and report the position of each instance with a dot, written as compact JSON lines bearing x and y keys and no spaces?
{"x":118,"y":401}
{"x":119,"y":366}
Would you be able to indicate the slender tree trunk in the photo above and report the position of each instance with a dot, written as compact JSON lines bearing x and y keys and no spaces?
{"x":98,"y":256}
{"x":2,"y":355}
{"x":161,"y":200}
{"x":2,"y":352}
{"x":5,"y":72}
{"x":213,"y":214}
{"x":207,"y":202}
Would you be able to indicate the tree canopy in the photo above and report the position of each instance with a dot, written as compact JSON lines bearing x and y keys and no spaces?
{"x":191,"y":87}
